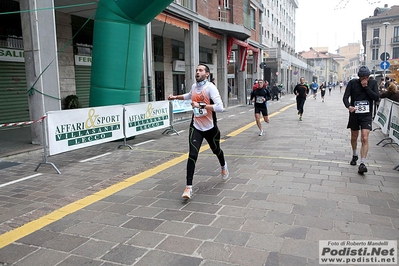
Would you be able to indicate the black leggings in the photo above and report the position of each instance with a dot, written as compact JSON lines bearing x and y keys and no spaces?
{"x":300,"y":102}
{"x":195,"y":139}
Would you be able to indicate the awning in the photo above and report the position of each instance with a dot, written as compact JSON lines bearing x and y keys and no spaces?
{"x":173,"y":21}
{"x":209,"y":33}
{"x":243,"y":52}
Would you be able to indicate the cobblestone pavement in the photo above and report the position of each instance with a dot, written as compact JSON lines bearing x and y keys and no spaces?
{"x":287,"y":190}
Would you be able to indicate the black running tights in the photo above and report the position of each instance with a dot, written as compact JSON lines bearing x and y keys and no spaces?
{"x":196,"y":137}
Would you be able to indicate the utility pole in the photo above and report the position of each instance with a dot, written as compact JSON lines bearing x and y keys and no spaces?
{"x":385,"y":52}
{"x":375,"y":54}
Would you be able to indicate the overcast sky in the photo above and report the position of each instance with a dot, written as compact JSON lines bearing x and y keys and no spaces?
{"x":332,"y":23}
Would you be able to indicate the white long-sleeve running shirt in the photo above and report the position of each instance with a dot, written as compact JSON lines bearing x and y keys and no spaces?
{"x":205,"y":93}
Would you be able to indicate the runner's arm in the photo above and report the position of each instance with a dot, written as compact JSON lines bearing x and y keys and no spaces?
{"x":347,"y":94}
{"x":217,"y":100}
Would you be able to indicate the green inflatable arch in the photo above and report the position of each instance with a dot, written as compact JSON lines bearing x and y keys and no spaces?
{"x":118,"y":45}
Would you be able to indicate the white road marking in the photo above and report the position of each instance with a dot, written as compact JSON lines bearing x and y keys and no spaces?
{"x":19,"y":180}
{"x":141,"y":143}
{"x":95,"y":157}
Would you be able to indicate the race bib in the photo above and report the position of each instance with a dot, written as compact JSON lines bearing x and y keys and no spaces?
{"x":259,"y":99}
{"x":198,"y":112}
{"x":362,"y":107}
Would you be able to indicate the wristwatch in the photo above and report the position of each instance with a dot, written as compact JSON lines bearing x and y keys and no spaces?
{"x":202,"y":105}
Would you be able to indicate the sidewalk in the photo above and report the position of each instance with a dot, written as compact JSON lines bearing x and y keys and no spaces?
{"x":288,"y":189}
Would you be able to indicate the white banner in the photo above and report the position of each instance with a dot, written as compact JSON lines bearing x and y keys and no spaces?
{"x":394,"y":127}
{"x":180,"y":106}
{"x":146,"y":117}
{"x":78,"y":128}
{"x":382,"y":116}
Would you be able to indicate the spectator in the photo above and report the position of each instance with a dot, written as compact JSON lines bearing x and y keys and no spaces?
{"x":387,"y":82}
{"x":275,"y":92}
{"x":391,"y":93}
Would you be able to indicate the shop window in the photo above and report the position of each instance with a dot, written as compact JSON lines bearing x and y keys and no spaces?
{"x":205,"y":55}
{"x":177,"y":50}
{"x":158,"y":49}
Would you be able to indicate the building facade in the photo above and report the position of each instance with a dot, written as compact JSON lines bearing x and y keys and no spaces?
{"x":351,"y":60}
{"x":380,"y":36}
{"x":281,"y":64}
{"x":325,"y":65}
{"x":224,"y":34}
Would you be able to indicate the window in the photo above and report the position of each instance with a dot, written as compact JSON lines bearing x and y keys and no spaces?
{"x":225,"y":3}
{"x":395,"y":38}
{"x":376,"y":33}
{"x":253,"y":18}
{"x":83,"y":39}
{"x":375,"y":54}
{"x":205,"y":55}
{"x":158,"y":49}
{"x":395,"y":52}
{"x":177,"y":50}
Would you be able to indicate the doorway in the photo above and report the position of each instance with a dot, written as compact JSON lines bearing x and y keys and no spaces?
{"x":179,"y":84}
{"x":159,"y":86}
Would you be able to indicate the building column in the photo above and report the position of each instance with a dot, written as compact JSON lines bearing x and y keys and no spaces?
{"x":147,"y":80}
{"x":191,"y":53}
{"x":41,"y":63}
{"x":222,"y":69}
{"x":241,"y":77}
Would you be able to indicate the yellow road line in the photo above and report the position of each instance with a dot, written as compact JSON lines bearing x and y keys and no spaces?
{"x":30,"y":227}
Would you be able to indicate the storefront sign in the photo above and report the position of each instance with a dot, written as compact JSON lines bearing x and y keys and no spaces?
{"x":11,"y":55}
{"x":81,"y":60}
{"x":180,"y":66}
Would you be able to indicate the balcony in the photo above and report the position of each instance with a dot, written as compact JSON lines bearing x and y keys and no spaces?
{"x":185,"y":3}
{"x":13,"y":42}
{"x":395,"y":41}
{"x":375,"y":42}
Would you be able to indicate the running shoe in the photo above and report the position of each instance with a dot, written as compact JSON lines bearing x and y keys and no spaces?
{"x":188,"y":193}
{"x":225,"y":172}
{"x":354,"y":160}
{"x":300,"y":118}
{"x":261,"y":133}
{"x":362,"y":168}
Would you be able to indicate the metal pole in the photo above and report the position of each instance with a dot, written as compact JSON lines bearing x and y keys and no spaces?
{"x":385,"y":53}
{"x":374,"y":55}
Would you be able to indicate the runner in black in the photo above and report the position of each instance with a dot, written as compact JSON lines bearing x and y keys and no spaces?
{"x":362,"y":93}
{"x":259,"y":97}
{"x":301,"y":91}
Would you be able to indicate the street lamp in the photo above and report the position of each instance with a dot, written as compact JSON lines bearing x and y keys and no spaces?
{"x":385,"y":53}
